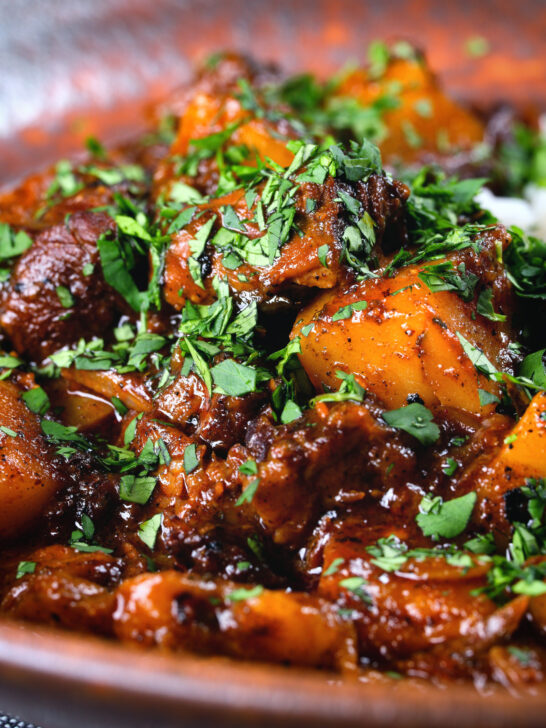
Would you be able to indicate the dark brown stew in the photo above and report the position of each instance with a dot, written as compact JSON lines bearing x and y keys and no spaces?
{"x":261,"y":397}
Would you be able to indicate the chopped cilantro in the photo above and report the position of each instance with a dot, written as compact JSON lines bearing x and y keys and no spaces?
{"x":60,"y":433}
{"x":487,"y":397}
{"x":248,"y":493}
{"x":242,"y":594}
{"x":334,"y":566}
{"x":423,"y":107}
{"x":476,"y":356}
{"x":524,"y":656}
{"x":121,"y":409}
{"x":476,"y":46}
{"x":445,"y":277}
{"x":449,"y":467}
{"x":36,"y":400}
{"x":533,"y":369}
{"x":445,"y":519}
{"x":136,"y":489}
{"x":322,"y":253}
{"x":191,"y":461}
{"x":249,"y":468}
{"x":12,"y":243}
{"x":355,"y":584}
{"x":347,"y":311}
{"x":233,"y":379}
{"x":416,"y":420}
{"x":290,"y":412}
{"x":130,"y":430}
{"x":25,"y":567}
{"x":148,"y":530}
{"x":95,"y":148}
{"x":485,"y":306}
{"x":64,"y":296}
{"x":350,"y":390}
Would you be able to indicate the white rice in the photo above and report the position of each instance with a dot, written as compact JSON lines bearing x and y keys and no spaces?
{"x":528,"y":213}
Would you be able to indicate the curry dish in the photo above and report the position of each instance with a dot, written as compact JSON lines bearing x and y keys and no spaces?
{"x":272,"y":382}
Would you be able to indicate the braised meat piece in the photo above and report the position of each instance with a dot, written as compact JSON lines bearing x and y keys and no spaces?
{"x":56,"y":292}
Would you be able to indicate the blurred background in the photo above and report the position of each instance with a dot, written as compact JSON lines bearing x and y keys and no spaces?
{"x":70,"y":68}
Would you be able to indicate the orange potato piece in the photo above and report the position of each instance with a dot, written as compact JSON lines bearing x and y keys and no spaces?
{"x":208,"y":114}
{"x":525,"y":451}
{"x":423,"y":107}
{"x":522,"y":456}
{"x":28,"y":476}
{"x":403,"y":343}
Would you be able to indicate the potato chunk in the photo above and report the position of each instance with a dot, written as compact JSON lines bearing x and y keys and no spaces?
{"x":401,"y":339}
{"x":522,"y":456}
{"x":28,"y":476}
{"x":424,"y":121}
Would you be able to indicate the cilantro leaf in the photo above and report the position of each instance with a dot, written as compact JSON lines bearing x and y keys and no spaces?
{"x":333,"y":566}
{"x":148,"y":530}
{"x":248,"y":493}
{"x":445,"y":519}
{"x":290,"y":412}
{"x":532,"y":368}
{"x":116,"y":272}
{"x":346,"y":312}
{"x":242,"y":594}
{"x":355,"y":585}
{"x":416,"y":420}
{"x":249,"y":468}
{"x":445,"y":277}
{"x":36,"y":400}
{"x":12,"y":243}
{"x":60,"y":433}
{"x":476,"y":356}
{"x":485,"y":306}
{"x":65,"y":297}
{"x":234,"y":379}
{"x":25,"y":567}
{"x":191,"y":461}
{"x":136,"y":489}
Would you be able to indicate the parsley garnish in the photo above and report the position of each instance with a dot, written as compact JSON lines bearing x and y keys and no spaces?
{"x":234,"y":379}
{"x":136,"y":489}
{"x":191,"y":461}
{"x":25,"y":567}
{"x":241,"y":595}
{"x":355,"y":584}
{"x":248,"y":493}
{"x":36,"y":400}
{"x":416,"y":420}
{"x":64,"y":296}
{"x":249,"y":468}
{"x":148,"y":530}
{"x":12,"y":243}
{"x":8,"y":431}
{"x":445,"y":519}
{"x":333,"y":567}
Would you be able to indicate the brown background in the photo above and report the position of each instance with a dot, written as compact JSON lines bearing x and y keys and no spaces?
{"x":71,"y":67}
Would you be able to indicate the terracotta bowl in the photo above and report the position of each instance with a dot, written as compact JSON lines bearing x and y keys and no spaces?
{"x":71,"y":68}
